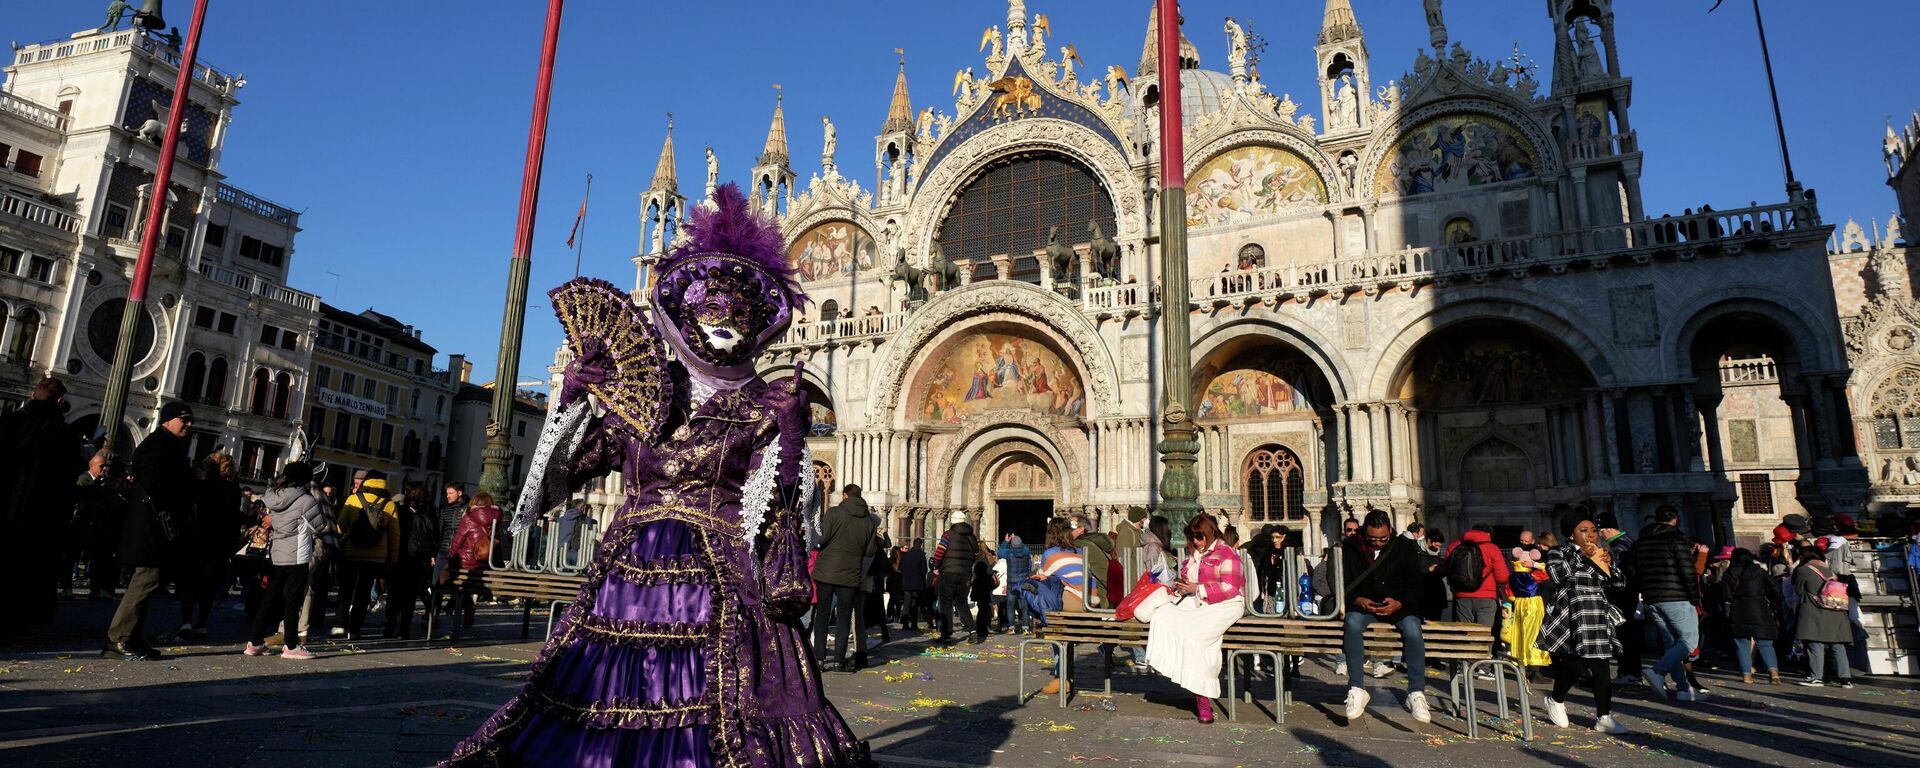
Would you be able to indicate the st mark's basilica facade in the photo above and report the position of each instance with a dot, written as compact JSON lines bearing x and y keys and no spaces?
{"x":1438,"y":295}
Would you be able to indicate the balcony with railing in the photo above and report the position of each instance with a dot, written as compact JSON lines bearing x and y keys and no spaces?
{"x":258,"y":206}
{"x":1603,"y":147}
{"x":259,"y":287}
{"x":23,"y":207}
{"x":33,"y":112}
{"x":124,"y":38}
{"x":846,"y":330}
{"x":1686,"y":236}
{"x":1752,"y":370}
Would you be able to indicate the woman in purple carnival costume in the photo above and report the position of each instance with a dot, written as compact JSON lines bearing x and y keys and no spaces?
{"x":682,"y":651}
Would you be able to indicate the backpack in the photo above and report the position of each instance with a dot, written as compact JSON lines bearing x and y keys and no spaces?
{"x":1833,"y":593}
{"x":362,"y":531}
{"x":423,"y":533}
{"x":1466,"y":568}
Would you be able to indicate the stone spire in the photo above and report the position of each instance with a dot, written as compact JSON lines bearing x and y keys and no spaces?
{"x":666,"y":177}
{"x":1339,"y":23}
{"x":776,"y":150}
{"x":1150,"y":55}
{"x":900,"y":112}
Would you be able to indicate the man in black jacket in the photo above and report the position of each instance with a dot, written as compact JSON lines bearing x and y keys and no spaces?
{"x":38,"y":459}
{"x":1660,"y":568}
{"x":163,"y":474}
{"x":1385,"y":582}
{"x":846,"y":541}
{"x":913,"y":581}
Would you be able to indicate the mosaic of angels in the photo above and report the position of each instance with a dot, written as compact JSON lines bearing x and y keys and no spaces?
{"x":830,"y":250}
{"x":1453,"y":153}
{"x":994,"y":371}
{"x":1257,"y":384}
{"x":1251,"y":182}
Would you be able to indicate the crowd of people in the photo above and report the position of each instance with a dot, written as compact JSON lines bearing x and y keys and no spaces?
{"x":1590,"y":603}
{"x":307,"y":558}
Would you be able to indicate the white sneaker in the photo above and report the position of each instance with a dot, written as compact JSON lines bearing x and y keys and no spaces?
{"x":1381,"y":669}
{"x":1357,"y":699}
{"x":1609,"y":725}
{"x":1340,"y":668}
{"x":1656,"y":686}
{"x":1417,"y":704}
{"x":1556,"y":712}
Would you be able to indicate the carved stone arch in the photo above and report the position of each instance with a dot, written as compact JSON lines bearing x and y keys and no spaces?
{"x":780,"y":373}
{"x":1893,"y":393}
{"x":1305,"y":147}
{"x":1485,"y":437}
{"x":1810,"y":350}
{"x":981,"y":469}
{"x":1299,"y":336}
{"x":1014,"y":300}
{"x":1488,"y":303}
{"x":1524,"y":121}
{"x":943,"y":184}
{"x":982,"y":431}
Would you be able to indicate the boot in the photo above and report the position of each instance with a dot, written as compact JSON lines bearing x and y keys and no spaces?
{"x":1773,"y":677}
{"x":1204,"y":707}
{"x":1053,"y":686}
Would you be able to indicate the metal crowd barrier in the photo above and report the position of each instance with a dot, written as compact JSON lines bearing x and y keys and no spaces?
{"x":542,"y":549}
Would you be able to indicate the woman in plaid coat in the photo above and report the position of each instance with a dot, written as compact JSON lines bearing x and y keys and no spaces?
{"x":1579,"y":629}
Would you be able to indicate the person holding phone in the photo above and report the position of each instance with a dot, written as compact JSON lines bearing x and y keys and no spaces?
{"x":1386,"y":588}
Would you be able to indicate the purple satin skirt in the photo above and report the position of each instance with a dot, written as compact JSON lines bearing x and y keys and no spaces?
{"x":667,"y":660}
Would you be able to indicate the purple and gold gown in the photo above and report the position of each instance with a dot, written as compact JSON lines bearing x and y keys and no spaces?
{"x":681,"y":651}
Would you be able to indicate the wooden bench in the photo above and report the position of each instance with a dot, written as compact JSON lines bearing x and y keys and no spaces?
{"x":552,"y":589}
{"x":1470,"y":646}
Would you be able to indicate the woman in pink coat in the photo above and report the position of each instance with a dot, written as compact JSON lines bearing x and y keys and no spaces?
{"x":1183,"y":640}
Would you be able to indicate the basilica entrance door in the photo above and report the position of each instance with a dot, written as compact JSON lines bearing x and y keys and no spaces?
{"x":1026,"y":518}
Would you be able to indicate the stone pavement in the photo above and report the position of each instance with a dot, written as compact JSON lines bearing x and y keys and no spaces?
{"x":386,"y":703}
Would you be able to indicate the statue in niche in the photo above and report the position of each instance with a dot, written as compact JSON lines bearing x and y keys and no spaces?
{"x":1106,"y":253}
{"x":1346,"y":103}
{"x":897,"y":190}
{"x":155,"y":129}
{"x":116,"y":11}
{"x":1586,"y":52}
{"x":1350,"y":165}
{"x":1912,"y":475}
{"x":1886,"y":472}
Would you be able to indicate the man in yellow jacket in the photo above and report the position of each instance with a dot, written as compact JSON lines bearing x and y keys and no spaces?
{"x":370,"y":534}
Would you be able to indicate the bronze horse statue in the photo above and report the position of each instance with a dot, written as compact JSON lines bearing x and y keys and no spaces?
{"x":1106,"y":253}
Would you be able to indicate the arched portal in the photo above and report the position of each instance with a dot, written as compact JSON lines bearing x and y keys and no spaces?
{"x":1021,"y":492}
{"x":1263,"y":406}
{"x":1501,"y":428}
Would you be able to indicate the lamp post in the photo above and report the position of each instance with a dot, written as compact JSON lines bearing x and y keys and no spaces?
{"x":499,"y":452}
{"x":1179,"y":450}
{"x":113,"y":406}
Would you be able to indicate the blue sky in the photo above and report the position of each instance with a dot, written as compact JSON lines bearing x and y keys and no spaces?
{"x":399,"y":127}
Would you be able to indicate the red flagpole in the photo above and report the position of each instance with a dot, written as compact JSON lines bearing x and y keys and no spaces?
{"x":113,"y":405}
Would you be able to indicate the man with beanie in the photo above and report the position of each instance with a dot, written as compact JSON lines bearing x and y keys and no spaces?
{"x":164,"y":476}
{"x":1661,"y":569}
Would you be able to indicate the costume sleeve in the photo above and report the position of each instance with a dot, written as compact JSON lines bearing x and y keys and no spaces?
{"x":774,"y":524}
{"x":548,"y":481}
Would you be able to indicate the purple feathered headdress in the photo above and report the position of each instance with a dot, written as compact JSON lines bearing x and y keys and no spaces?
{"x":731,"y":271}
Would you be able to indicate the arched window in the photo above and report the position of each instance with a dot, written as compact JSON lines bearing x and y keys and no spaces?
{"x":1252,"y":256}
{"x":282,"y":394}
{"x":440,"y":407}
{"x":1010,"y":206}
{"x":410,"y":449}
{"x":1896,"y":411}
{"x":823,"y":483}
{"x":193,"y":383}
{"x":413,"y":410}
{"x":261,"y":383}
{"x":1460,"y":230}
{"x":26,"y":338}
{"x":829,"y":310}
{"x":216,"y":382}
{"x":433,"y":455}
{"x":1275,"y":486}
{"x":1495,"y":465}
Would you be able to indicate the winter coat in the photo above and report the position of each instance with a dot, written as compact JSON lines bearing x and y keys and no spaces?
{"x":38,"y":456}
{"x":1018,"y":558}
{"x":218,"y":520}
{"x":1400,"y":574}
{"x":1580,"y":620}
{"x":913,"y":570}
{"x":1752,"y":597}
{"x":1817,"y":624}
{"x":846,"y":540}
{"x":476,"y":526}
{"x":957,"y":550}
{"x":1221,"y":577}
{"x":162,"y":473}
{"x":450,"y":515}
{"x":1660,"y":566}
{"x":1099,"y":547}
{"x":1494,"y":572}
{"x":373,"y":502}
{"x":298,"y":517}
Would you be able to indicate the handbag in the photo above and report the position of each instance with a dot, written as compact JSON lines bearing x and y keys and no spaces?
{"x":1129,"y":606}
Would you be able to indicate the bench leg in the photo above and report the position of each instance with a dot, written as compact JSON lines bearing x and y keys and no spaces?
{"x":1022,"y":694}
{"x":1106,"y":670}
{"x":526,"y":621}
{"x":1066,"y":672}
{"x":553,"y":612}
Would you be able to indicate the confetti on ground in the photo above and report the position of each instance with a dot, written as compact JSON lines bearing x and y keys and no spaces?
{"x":928,"y":703}
{"x":455,"y":652}
{"x":1436,"y":741}
{"x":64,"y":656}
{"x":72,"y":670}
{"x":1092,"y":759}
{"x":1050,"y":727}
{"x":1307,"y":750}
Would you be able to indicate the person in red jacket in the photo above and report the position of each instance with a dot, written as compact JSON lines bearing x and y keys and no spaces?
{"x":473,"y":545}
{"x":1480,"y":605}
